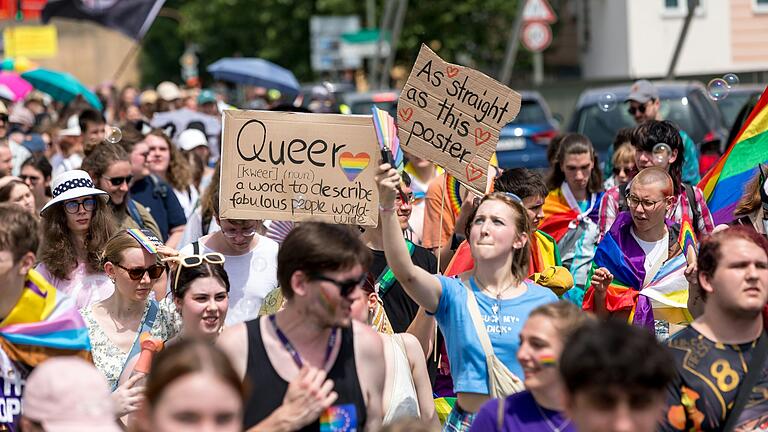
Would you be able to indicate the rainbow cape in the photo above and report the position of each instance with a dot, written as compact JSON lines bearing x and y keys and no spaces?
{"x":558,"y":214}
{"x":666,"y":295}
{"x":544,"y":254}
{"x":386,"y":133}
{"x":44,"y":323}
{"x":723,"y":185}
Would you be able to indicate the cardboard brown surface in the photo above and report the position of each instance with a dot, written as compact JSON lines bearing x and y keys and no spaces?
{"x":297,"y":166}
{"x":452,"y":115}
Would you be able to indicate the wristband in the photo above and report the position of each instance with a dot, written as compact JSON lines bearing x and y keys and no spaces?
{"x":386,"y":209}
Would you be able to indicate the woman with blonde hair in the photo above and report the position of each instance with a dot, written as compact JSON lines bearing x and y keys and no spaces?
{"x":76,"y":225}
{"x":540,"y":407}
{"x":481,"y":311}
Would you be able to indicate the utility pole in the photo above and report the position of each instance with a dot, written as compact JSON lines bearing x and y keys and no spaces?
{"x":402,"y":7}
{"x":681,"y":39}
{"x":385,"y":24}
{"x":512,"y":45}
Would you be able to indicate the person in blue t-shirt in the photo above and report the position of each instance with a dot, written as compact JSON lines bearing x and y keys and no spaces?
{"x":490,"y":302}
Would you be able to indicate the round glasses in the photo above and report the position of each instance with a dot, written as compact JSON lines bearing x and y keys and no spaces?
{"x":73,"y":207}
{"x":234,"y":233}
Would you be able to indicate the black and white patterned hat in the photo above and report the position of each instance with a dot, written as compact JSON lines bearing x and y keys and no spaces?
{"x":70,"y":185}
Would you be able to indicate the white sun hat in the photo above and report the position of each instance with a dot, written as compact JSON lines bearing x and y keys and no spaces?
{"x":190,"y":139}
{"x":70,"y":185}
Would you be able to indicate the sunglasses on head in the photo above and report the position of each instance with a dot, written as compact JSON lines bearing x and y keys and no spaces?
{"x":154,"y":271}
{"x":193,"y":261}
{"x":73,"y":207}
{"x":346,"y":287}
{"x":118,"y":181}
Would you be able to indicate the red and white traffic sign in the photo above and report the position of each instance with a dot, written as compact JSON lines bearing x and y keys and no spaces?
{"x":538,"y":11}
{"x":536,"y":36}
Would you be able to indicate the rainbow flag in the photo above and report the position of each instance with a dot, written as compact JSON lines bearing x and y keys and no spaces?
{"x":558,"y":214}
{"x":723,"y":185}
{"x":453,"y":188}
{"x":664,"y":297}
{"x":44,"y":323}
{"x":386,"y":133}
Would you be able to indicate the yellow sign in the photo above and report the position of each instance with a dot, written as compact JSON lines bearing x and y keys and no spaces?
{"x":36,"y":42}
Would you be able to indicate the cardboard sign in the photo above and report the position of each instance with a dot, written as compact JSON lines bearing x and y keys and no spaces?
{"x":296,"y":166}
{"x":452,"y":115}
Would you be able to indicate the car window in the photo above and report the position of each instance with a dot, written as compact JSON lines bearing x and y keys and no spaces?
{"x":731,"y":106}
{"x":364,"y":107}
{"x":601,"y":126}
{"x":531,"y":112}
{"x":688,"y":114}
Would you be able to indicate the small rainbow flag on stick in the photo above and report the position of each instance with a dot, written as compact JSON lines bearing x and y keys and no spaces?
{"x":723,"y":185}
{"x":386,"y":133}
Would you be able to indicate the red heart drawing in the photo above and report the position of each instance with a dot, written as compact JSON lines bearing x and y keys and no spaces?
{"x":452,"y":71}
{"x":406,"y":113}
{"x":473,"y":172}
{"x":481,"y":136}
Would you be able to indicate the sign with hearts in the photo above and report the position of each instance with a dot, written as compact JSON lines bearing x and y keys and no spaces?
{"x":297,"y":167}
{"x":452,"y":115}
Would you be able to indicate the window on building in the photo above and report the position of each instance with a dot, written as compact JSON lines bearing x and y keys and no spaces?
{"x":676,"y":8}
{"x":760,"y":6}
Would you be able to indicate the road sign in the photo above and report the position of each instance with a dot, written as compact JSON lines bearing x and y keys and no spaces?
{"x":538,"y":11}
{"x":536,"y":36}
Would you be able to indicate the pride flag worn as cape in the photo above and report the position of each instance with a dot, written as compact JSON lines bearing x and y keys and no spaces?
{"x":44,"y":323}
{"x":544,"y":254}
{"x":666,"y":295}
{"x":723,"y":185}
{"x":558,"y":214}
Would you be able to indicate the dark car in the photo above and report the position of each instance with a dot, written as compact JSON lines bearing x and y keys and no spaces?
{"x":524,"y":141}
{"x":738,"y":96}
{"x":684,"y":103}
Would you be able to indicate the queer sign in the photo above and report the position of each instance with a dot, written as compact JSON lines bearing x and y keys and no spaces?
{"x":296,"y":166}
{"x":452,"y":115}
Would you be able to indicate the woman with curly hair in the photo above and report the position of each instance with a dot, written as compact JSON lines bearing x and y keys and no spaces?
{"x":77,"y":223}
{"x":167,"y":162}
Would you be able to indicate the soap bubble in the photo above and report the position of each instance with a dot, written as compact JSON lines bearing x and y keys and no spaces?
{"x":113,"y":134}
{"x":717,"y":89}
{"x":731,"y":79}
{"x":661,"y":153}
{"x":607,"y":102}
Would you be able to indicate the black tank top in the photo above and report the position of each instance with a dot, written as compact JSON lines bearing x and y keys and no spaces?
{"x":268,"y":389}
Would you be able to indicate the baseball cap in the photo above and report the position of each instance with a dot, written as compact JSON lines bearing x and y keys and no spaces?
{"x":68,"y":394}
{"x":168,"y":91}
{"x":642,"y":91}
{"x":73,"y":127}
{"x":190,"y":139}
{"x":206,"y":96}
{"x":34,"y":143}
{"x":147,"y":97}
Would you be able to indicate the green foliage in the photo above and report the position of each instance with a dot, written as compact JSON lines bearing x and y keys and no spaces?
{"x":473,"y":32}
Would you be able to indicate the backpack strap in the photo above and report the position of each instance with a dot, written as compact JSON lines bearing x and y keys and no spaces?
{"x":159,"y":190}
{"x":690,"y":195}
{"x":196,"y":248}
{"x":759,"y":354}
{"x":623,"y":197}
{"x":133,"y":211}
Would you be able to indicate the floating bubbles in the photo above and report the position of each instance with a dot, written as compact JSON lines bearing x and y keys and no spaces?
{"x":718,"y":89}
{"x":607,"y":102}
{"x":661,"y":153}
{"x":731,"y":79}
{"x":113,"y":134}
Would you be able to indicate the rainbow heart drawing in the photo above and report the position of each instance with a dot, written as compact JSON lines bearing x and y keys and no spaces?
{"x":353,"y":164}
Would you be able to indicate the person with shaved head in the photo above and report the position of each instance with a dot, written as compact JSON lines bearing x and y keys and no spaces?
{"x":639,"y":269}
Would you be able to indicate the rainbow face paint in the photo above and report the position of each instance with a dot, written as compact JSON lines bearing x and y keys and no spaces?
{"x":548,"y":360}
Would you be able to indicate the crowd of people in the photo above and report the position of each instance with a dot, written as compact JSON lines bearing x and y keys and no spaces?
{"x":593,"y":297}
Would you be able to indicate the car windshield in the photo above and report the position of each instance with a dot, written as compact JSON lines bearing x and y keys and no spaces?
{"x":601,"y":127}
{"x":731,"y":106}
{"x":531,"y":112}
{"x":364,"y":107}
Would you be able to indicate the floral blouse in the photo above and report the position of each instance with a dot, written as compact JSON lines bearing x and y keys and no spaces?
{"x":107,"y":357}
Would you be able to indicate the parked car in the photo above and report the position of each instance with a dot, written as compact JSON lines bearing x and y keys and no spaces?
{"x":684,"y":103}
{"x":524,"y":141}
{"x":737,"y":97}
{"x":361,"y":103}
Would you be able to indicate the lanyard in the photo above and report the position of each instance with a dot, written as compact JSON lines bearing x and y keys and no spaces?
{"x":292,"y":351}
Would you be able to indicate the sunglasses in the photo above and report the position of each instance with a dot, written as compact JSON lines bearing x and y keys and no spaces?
{"x":628,"y":171}
{"x":632,"y":110}
{"x":154,"y":271}
{"x":193,"y":261}
{"x":118,"y":181}
{"x":73,"y":207}
{"x":346,"y":287}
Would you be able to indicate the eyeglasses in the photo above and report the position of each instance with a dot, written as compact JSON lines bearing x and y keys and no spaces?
{"x":634,"y":201}
{"x":193,"y":261}
{"x":232,"y":233}
{"x":118,"y":181}
{"x":73,"y":207}
{"x":627,"y":171}
{"x":154,"y":271}
{"x":32,"y":179}
{"x":345,"y":287}
{"x":632,"y":110}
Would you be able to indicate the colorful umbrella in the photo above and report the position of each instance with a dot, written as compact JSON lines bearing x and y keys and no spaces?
{"x":61,"y":86}
{"x":18,"y":86}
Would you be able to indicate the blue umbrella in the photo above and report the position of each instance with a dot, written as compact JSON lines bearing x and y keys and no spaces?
{"x":254,"y":71}
{"x":60,"y":85}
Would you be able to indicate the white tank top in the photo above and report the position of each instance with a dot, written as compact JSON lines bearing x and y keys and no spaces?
{"x":403,"y":401}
